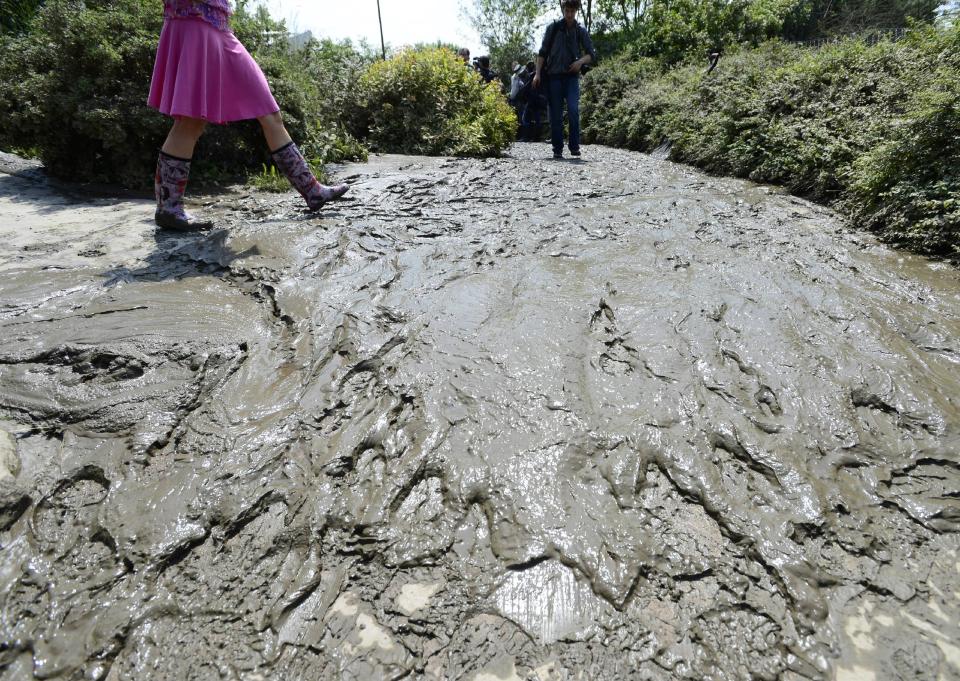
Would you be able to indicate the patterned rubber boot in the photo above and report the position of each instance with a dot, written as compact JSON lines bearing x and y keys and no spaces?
{"x":169,"y":185}
{"x":291,"y":163}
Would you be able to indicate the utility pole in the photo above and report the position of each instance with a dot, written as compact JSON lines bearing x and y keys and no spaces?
{"x":383,"y":45}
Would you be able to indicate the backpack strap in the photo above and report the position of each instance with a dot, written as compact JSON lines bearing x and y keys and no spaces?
{"x":552,"y":36}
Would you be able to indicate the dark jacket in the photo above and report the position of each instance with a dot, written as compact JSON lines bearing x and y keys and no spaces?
{"x":562,"y":46}
{"x":530,"y":96}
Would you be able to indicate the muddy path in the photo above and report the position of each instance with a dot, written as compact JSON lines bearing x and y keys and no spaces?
{"x":487,"y":420}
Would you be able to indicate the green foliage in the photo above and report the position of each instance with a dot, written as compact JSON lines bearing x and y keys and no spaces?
{"x":908,"y":186}
{"x":334,"y":69}
{"x":873,"y":129}
{"x":851,"y":16}
{"x":427,"y":102}
{"x":613,"y":95}
{"x":508,"y":29}
{"x":16,"y":15}
{"x":70,"y":88}
{"x":75,"y":87}
{"x":502,"y":58}
{"x":269,"y":179}
{"x":678,"y":30}
{"x":613,"y":15}
{"x":674,"y":30}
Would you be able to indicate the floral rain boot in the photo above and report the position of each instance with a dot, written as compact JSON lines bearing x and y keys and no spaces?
{"x":169,"y":185}
{"x":291,"y":163}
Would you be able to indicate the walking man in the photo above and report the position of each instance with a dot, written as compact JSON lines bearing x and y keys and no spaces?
{"x":566,"y":49}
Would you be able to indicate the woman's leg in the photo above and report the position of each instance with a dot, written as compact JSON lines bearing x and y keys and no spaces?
{"x":274,"y":131}
{"x":291,"y":163}
{"x":183,"y":137}
{"x":173,"y":171}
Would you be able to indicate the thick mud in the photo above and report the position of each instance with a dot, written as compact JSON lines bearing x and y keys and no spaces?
{"x":486,"y":420}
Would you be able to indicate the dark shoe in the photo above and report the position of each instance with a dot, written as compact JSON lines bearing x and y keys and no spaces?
{"x":558,"y":156}
{"x":180,"y":222}
{"x":575,"y":152}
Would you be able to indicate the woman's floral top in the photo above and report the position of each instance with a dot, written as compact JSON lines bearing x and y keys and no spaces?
{"x":216,"y":12}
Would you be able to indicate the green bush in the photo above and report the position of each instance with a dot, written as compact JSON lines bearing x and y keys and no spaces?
{"x":74,"y":87}
{"x":674,"y":31}
{"x":908,"y":187}
{"x":427,"y":102}
{"x":70,"y":88}
{"x":870,"y":129}
{"x":15,"y":15}
{"x":604,"y":105}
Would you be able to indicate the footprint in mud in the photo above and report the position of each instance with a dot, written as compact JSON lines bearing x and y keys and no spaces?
{"x":766,"y":397}
{"x":94,"y":251}
{"x":86,"y":365}
{"x":603,"y":312}
{"x":744,"y":367}
{"x":872,"y":406}
{"x":619,"y":358}
{"x":864,"y":397}
{"x":60,"y":517}
{"x":718,"y":313}
{"x":108,"y":367}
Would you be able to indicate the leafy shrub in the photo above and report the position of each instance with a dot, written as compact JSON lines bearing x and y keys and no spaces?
{"x":75,"y":85}
{"x":427,"y":102}
{"x":871,"y":129}
{"x":673,"y":31}
{"x":15,"y":15}
{"x":825,"y":110}
{"x":603,"y":105}
{"x":908,"y":187}
{"x":73,"y":88}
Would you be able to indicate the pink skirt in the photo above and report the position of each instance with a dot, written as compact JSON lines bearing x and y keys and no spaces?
{"x":202,"y":72}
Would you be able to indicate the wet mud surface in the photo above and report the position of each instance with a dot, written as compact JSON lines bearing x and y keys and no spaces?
{"x":486,"y":420}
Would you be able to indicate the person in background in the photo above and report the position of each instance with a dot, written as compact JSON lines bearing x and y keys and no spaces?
{"x":535,"y":104}
{"x":464,"y":55}
{"x":516,"y":82}
{"x":516,"y":87}
{"x":483,"y":68}
{"x":203,"y":74}
{"x":566,"y":49}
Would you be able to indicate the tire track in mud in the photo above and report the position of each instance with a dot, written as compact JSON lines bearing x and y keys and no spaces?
{"x":503,"y":418}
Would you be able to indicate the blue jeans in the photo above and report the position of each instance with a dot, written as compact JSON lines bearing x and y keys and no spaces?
{"x":562,"y":88}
